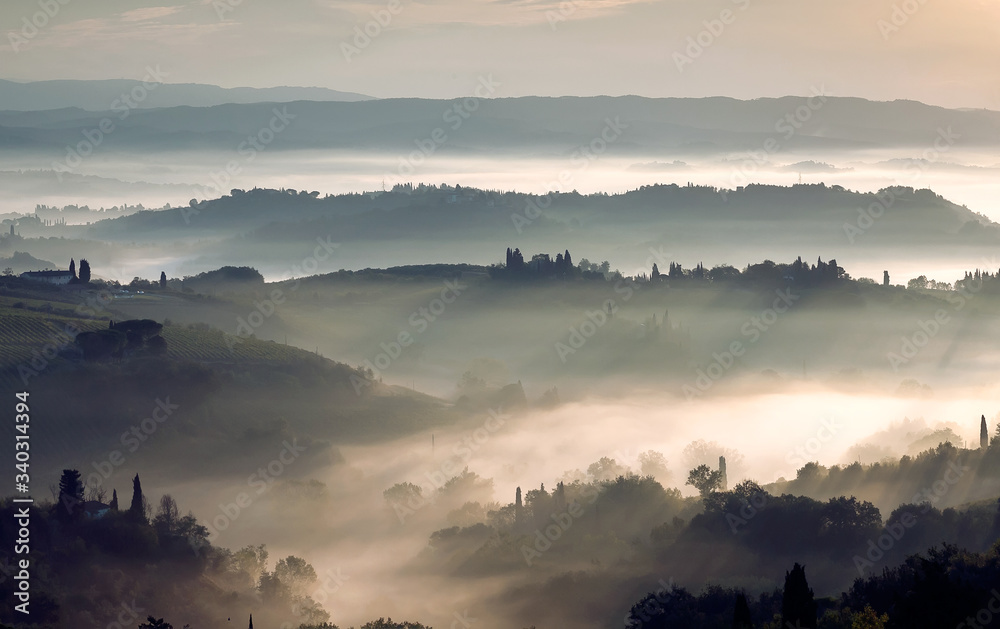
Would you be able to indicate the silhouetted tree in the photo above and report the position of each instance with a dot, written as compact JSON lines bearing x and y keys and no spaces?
{"x":84,"y":271}
{"x":163,"y":279}
{"x":798,"y":607}
{"x":741,"y":615}
{"x":114,"y":500}
{"x":137,"y":510}
{"x":155,"y":623}
{"x":984,"y":434}
{"x":704,"y":479}
{"x":102,"y":344}
{"x":72,"y":267}
{"x":166,"y":516}
{"x":70,"y":507}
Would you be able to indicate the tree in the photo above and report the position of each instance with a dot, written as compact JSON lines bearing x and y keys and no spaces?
{"x":741,"y":615}
{"x":70,"y":507}
{"x":252,"y":561}
{"x":655,"y":275}
{"x":296,"y":573}
{"x":868,"y":619}
{"x":72,"y":267}
{"x":84,"y":271}
{"x":137,"y":510}
{"x":984,"y":434}
{"x":606,"y":469}
{"x":653,"y":463}
{"x":166,"y":516}
{"x":705,"y":480}
{"x":155,"y":623}
{"x":102,"y":344}
{"x":798,"y":606}
{"x":114,"y":500}
{"x":163,"y":279}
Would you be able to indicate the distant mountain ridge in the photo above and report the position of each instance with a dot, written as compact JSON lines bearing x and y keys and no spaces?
{"x":99,"y":95}
{"x":540,"y":126}
{"x":273,"y":215}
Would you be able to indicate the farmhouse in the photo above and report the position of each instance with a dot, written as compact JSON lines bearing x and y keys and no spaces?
{"x":52,"y":277}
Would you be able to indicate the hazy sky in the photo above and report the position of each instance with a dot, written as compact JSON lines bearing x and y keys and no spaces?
{"x":941,"y":52}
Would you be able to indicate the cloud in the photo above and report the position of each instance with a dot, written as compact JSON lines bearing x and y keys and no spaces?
{"x":148,"y":13}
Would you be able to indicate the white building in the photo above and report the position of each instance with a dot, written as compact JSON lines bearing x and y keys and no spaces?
{"x":52,"y":277}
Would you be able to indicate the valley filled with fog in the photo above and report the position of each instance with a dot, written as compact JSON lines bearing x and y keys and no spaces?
{"x":359,"y":352}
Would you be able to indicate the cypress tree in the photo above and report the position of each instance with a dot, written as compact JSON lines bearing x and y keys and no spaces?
{"x":114,"y":500}
{"x":984,"y":434}
{"x":136,"y":510}
{"x":70,"y":507}
{"x":741,"y":615}
{"x":798,"y":606}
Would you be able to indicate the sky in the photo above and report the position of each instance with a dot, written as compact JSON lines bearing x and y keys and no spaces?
{"x":936,"y":51}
